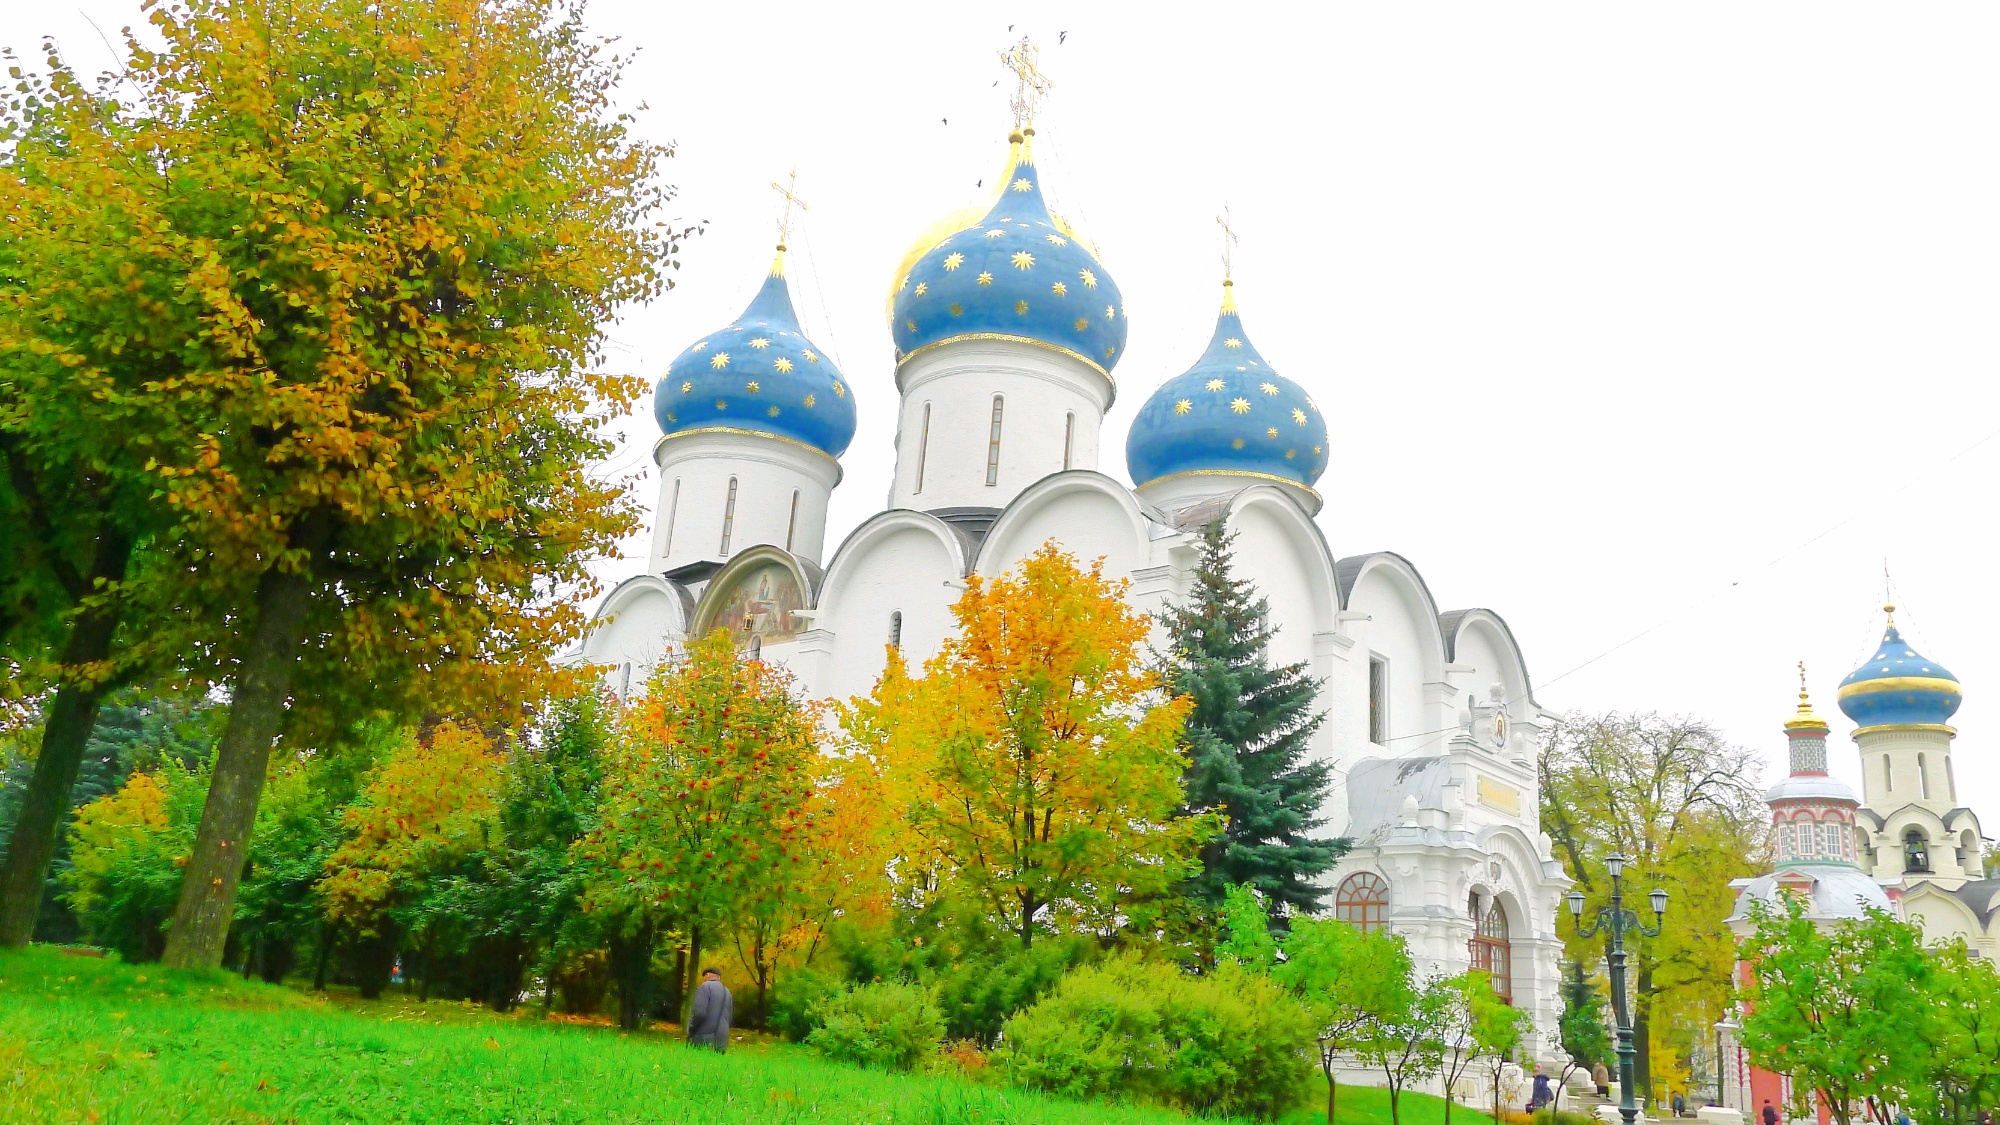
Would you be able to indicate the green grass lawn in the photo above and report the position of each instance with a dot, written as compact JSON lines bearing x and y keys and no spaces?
{"x":92,"y":1040}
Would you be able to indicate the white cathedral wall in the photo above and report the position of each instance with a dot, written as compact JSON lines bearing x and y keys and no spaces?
{"x":902,"y":563}
{"x":637,"y":627}
{"x":1041,"y":390}
{"x":1400,"y":628}
{"x":1087,"y":514}
{"x":695,"y":471}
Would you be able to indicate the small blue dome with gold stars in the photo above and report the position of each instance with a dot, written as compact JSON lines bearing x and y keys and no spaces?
{"x":1899,"y":686}
{"x":759,"y":375}
{"x":1228,"y":414}
{"x":1019,"y":273}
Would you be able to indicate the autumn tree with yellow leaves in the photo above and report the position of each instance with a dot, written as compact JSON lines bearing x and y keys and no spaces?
{"x":369,"y":249}
{"x":1034,"y":767}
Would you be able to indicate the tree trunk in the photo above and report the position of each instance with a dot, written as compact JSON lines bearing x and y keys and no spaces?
{"x":1326,"y":1065}
{"x":46,"y":804}
{"x":256,"y":710}
{"x":693,"y":974}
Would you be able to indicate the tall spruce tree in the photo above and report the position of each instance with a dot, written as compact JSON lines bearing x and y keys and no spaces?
{"x":1247,"y":739}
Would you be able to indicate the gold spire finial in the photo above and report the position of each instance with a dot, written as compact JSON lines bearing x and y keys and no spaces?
{"x":1805,"y":718}
{"x":1228,"y":245}
{"x":1889,"y":610}
{"x":1030,"y":84}
{"x":788,"y":189}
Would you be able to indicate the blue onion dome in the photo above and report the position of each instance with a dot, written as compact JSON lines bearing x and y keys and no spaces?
{"x":1017,"y":273}
{"x":1229,"y":414}
{"x":760,"y":375}
{"x":1899,"y":687}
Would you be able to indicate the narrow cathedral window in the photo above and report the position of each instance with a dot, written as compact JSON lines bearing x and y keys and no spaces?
{"x":896,"y":630}
{"x":923,"y":445}
{"x":625,"y":681}
{"x":1951,"y":783}
{"x":757,"y":648}
{"x":993,"y":445}
{"x":792,"y":527}
{"x":1888,"y":775}
{"x":1378,"y":701}
{"x":1786,"y":848}
{"x":728,"y":517}
{"x":1069,"y":436}
{"x":1363,"y":901}
{"x":1923,"y":779}
{"x":673,"y":506}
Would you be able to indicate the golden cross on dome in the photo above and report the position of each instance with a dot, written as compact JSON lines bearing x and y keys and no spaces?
{"x":1228,"y":241}
{"x":1802,"y":679}
{"x":788,"y":189}
{"x":1030,"y":84}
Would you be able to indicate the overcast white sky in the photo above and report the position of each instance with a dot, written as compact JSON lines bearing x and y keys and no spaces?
{"x":1656,"y":329}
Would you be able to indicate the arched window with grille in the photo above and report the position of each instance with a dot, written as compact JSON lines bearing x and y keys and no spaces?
{"x":896,"y":629}
{"x":756,"y":648}
{"x":1491,"y":952}
{"x":1363,"y":899}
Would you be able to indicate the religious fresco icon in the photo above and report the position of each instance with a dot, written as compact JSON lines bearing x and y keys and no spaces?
{"x":762,"y":602}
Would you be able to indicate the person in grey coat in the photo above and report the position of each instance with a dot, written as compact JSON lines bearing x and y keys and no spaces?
{"x":708,"y":1021}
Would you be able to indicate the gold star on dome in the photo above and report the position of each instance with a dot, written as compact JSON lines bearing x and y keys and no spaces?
{"x":1291,"y":453}
{"x":1298,"y":416}
{"x":1089,"y":279}
{"x":1110,"y":313}
{"x":760,"y":343}
{"x":687,"y":386}
{"x":1020,"y":308}
{"x":811,"y":401}
{"x":953,"y":260}
{"x":772,"y":411}
{"x":956,"y":309}
{"x":1315,"y":451}
{"x":1023,"y":260}
{"x":995,"y":233}
{"x":838,"y":390}
{"x":699,"y":346}
{"x":1272,"y":432}
{"x":1108,"y":351}
{"x":719,"y":360}
{"x":1057,"y":240}
{"x":671,"y":417}
{"x":903,"y":284}
{"x":1240,"y":405}
{"x":1081,"y":324}
{"x":721,"y":404}
{"x":1237,"y":444}
{"x":1059,"y":289}
{"x":923,"y":288}
{"x":751,"y":386}
{"x":1232,"y":342}
{"x":783,"y":365}
{"x":910,"y":324}
{"x":1023,"y":184}
{"x":1268,"y":388}
{"x":1183,"y":406}
{"x":809,"y":357}
{"x":985,"y":278}
{"x":1215,"y":384}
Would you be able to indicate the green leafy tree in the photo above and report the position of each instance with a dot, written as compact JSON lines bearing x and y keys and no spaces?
{"x":1962,"y":1076}
{"x":1498,"y":1030}
{"x":1581,"y":1034}
{"x":1843,"y":1009}
{"x":1247,"y":739}
{"x":1405,"y":1042}
{"x":1683,"y":806}
{"x":707,"y":802}
{"x":377,"y":286}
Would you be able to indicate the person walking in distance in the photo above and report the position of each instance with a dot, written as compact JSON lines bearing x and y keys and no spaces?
{"x":1770,"y":1113}
{"x":708,"y":1021}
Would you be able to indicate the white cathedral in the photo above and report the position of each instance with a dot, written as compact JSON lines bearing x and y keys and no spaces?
{"x":1007,"y":327}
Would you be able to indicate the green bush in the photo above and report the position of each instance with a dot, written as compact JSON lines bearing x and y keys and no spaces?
{"x":796,"y":1000}
{"x":1227,"y":1043}
{"x":980,"y":992}
{"x":889,"y":1025}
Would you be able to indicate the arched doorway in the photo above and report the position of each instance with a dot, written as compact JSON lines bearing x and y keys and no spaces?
{"x":1492,"y":953}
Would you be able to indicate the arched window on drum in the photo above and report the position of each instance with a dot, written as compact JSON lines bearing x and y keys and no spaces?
{"x":1491,"y":952}
{"x":1363,"y":899}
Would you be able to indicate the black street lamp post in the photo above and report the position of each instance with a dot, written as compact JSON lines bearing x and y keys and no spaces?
{"x":1619,"y":920}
